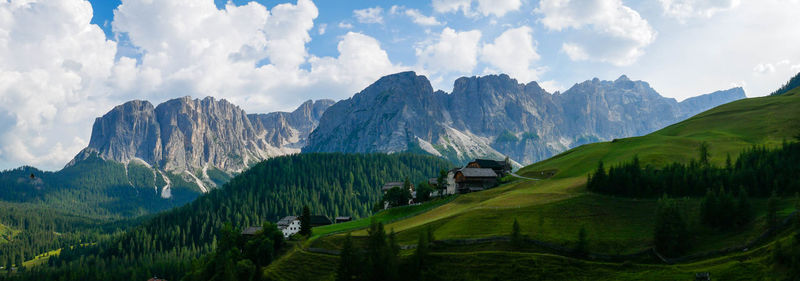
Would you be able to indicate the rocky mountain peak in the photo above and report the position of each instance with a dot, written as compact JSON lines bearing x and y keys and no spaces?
{"x":492,"y":116}
{"x":188,"y":136}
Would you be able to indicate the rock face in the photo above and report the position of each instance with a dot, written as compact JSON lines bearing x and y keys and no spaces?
{"x":189,"y":136}
{"x":494,"y":116}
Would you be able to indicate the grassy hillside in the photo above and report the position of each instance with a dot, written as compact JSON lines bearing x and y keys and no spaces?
{"x":728,"y":128}
{"x":554,"y":209}
{"x":166,"y":244}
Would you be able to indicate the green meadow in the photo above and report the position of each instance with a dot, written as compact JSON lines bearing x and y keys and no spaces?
{"x":555,"y":209}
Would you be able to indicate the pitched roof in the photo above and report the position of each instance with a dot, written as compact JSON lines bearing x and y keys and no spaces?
{"x":286,"y":221}
{"x":491,"y":164}
{"x":478,"y":173}
{"x":251,"y":230}
{"x":391,"y":184}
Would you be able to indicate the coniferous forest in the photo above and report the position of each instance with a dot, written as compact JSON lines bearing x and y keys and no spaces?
{"x":758,"y":171}
{"x":166,"y":244}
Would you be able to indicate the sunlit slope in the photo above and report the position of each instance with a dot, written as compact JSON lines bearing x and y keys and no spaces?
{"x":728,"y":128}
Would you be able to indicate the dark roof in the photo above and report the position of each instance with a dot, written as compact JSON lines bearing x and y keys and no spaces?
{"x":286,"y":221}
{"x":478,"y":173}
{"x":319,"y":220}
{"x":491,"y":164}
{"x":251,"y":230}
{"x":392,"y":184}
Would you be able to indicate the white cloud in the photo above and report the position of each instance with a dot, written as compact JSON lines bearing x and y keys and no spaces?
{"x":574,"y":52}
{"x":513,"y":53}
{"x":58,"y":71}
{"x":617,"y":34}
{"x":769,"y":68}
{"x":321,"y":29}
{"x":345,"y":25}
{"x":447,"y":6}
{"x":361,"y":61}
{"x":415,"y":15}
{"x":764,"y":68}
{"x":684,"y":9}
{"x":551,"y":86}
{"x":452,"y":52}
{"x":498,"y":7}
{"x":369,"y":15}
{"x":421,"y":19}
{"x":47,"y":87}
{"x":485,"y":7}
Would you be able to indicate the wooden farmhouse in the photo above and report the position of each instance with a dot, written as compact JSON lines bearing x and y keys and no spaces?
{"x":289,"y":225}
{"x":501,"y":168}
{"x":475,"y":179}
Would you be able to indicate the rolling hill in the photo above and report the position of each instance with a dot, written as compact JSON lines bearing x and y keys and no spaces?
{"x":554,"y":209}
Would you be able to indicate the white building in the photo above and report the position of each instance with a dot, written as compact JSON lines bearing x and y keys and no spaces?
{"x":289,"y":225}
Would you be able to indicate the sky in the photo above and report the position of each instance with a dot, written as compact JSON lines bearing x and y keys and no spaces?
{"x":63,"y":63}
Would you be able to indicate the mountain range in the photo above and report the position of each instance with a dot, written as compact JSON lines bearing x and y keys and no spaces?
{"x":139,"y":153}
{"x":495,"y":116}
{"x":188,"y":136}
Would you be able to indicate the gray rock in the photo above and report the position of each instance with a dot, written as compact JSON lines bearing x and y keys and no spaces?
{"x":187,"y":136}
{"x":494,"y":116}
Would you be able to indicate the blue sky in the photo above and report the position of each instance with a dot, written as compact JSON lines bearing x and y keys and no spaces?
{"x":63,"y":63}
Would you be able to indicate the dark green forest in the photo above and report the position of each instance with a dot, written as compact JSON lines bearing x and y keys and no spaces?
{"x":758,"y":171}
{"x":793,"y":83}
{"x":165,"y":245}
{"x":96,"y":188}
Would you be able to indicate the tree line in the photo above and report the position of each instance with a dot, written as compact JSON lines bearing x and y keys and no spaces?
{"x":758,"y":171}
{"x":332,"y":184}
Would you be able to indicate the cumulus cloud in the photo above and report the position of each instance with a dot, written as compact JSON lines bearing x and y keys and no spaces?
{"x":361,"y":61}
{"x":447,"y":6}
{"x":613,"y":32}
{"x":415,"y":15}
{"x":498,"y":7}
{"x":369,"y":15}
{"x":684,"y":9}
{"x":453,"y":51}
{"x":322,"y":28}
{"x":59,"y":72}
{"x":49,"y":86}
{"x":345,"y":25}
{"x":485,"y":7}
{"x":769,"y":67}
{"x":514,"y":53}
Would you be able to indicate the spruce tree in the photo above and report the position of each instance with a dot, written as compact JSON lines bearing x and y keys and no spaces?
{"x":516,"y":235}
{"x":305,"y":222}
{"x":772,"y":211}
{"x":705,"y":156}
{"x":348,"y":261}
{"x":582,"y":248}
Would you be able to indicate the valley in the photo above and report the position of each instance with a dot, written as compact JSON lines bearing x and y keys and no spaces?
{"x":549,"y":200}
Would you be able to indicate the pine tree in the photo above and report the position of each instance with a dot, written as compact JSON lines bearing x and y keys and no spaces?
{"x":348,"y":261}
{"x":420,"y":257}
{"x":516,"y":235}
{"x":671,"y":235}
{"x":705,"y":156}
{"x":582,"y":247}
{"x":772,"y":211}
{"x":305,"y":222}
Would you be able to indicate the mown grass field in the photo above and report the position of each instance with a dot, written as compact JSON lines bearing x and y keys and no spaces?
{"x":555,"y":209}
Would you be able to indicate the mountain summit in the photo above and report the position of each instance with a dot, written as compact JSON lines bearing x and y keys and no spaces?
{"x":494,"y":116}
{"x":189,"y":136}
